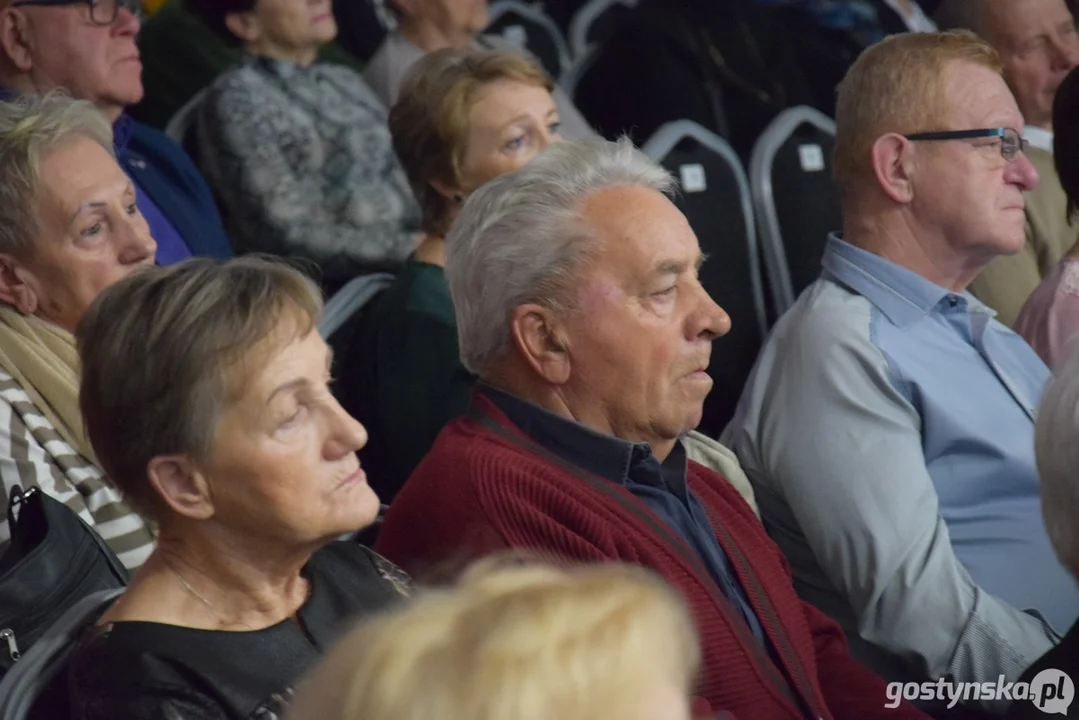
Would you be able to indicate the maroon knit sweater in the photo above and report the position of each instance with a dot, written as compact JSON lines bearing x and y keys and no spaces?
{"x":485,"y":487}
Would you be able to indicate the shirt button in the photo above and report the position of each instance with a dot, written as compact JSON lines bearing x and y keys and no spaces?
{"x":953,"y":300}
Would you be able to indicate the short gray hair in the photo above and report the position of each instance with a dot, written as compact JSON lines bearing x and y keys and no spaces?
{"x":166,"y":349}
{"x":520,"y":239}
{"x":30,"y":127}
{"x":1056,"y":444}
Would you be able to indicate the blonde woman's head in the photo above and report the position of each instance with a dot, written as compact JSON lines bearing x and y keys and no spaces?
{"x":523,"y":642}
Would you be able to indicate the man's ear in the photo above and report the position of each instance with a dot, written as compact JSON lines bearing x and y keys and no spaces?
{"x":16,"y":286}
{"x":541,"y":341}
{"x":16,"y":39}
{"x":244,"y":25}
{"x":181,"y":486}
{"x":893,"y":166}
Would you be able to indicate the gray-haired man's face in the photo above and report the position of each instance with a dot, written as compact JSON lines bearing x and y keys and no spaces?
{"x":641,"y":341}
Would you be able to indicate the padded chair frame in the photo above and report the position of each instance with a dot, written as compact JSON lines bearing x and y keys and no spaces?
{"x":760,"y":174}
{"x":573,"y":74}
{"x":537,"y":16}
{"x":582,"y":22}
{"x":180,"y":124}
{"x":665,"y":139}
{"x":356,"y":293}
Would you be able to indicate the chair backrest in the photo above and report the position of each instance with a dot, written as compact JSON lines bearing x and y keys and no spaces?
{"x":576,"y":71}
{"x":182,"y":123}
{"x":594,"y":23}
{"x":529,"y":28}
{"x":35,"y":687}
{"x":715,"y":198}
{"x":363,"y":25}
{"x":350,"y":299}
{"x":796,"y":200}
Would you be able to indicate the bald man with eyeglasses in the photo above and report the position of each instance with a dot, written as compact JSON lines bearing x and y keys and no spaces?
{"x":87,"y":47}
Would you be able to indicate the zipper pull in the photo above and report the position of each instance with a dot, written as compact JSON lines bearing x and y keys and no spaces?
{"x":8,"y":636}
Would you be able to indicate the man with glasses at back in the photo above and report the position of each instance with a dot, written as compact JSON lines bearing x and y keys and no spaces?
{"x":87,"y":47}
{"x":1038,"y":47}
{"x":888,"y":425}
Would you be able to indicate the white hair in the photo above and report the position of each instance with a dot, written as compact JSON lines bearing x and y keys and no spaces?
{"x":30,"y":128}
{"x":520,"y":238}
{"x":1056,"y":445}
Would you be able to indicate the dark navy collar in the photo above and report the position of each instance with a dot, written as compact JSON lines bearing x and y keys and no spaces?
{"x":611,"y":458}
{"x":122,"y":130}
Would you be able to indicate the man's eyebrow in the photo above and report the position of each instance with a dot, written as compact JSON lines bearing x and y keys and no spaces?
{"x":677,"y":267}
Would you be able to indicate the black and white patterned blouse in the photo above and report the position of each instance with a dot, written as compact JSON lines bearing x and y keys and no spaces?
{"x":302,"y":162}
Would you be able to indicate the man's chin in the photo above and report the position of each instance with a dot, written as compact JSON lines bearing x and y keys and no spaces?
{"x":1014,"y":244}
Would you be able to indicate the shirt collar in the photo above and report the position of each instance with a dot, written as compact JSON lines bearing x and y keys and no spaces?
{"x":902,"y":295}
{"x":1039,"y":137}
{"x":122,"y":130}
{"x":598,"y":453}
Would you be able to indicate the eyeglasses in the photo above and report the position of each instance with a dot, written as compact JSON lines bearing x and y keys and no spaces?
{"x":1011,"y":142}
{"x":102,"y":12}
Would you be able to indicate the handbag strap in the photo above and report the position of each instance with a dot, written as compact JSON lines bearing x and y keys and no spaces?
{"x":118,"y":568}
{"x":15,"y":498}
{"x":48,"y":657}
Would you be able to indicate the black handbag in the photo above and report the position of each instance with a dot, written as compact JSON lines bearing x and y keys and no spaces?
{"x":54,"y":560}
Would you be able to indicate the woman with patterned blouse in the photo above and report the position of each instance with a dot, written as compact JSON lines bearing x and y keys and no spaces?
{"x":298,"y":151}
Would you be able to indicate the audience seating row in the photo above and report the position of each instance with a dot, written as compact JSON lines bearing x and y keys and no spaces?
{"x":788,"y":201}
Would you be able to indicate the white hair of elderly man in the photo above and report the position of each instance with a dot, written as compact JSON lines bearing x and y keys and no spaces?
{"x":519,"y":238}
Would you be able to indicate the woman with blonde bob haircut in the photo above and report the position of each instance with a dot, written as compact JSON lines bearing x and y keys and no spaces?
{"x":464,"y":117}
{"x":525,"y":642}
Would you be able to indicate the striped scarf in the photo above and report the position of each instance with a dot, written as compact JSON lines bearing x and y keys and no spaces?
{"x":39,"y":382}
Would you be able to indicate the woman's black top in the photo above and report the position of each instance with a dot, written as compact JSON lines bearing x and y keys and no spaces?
{"x":154,"y":671}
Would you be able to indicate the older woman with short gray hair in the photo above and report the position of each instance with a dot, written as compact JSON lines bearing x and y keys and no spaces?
{"x":1057,"y":451}
{"x":69,"y":228}
{"x":223,"y":432}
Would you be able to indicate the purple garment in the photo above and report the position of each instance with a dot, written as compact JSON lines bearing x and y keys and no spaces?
{"x":1049,"y":320}
{"x":170,"y":246}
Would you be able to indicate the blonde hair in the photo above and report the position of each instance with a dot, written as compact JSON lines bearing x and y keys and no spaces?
{"x":899,"y":86}
{"x":429,"y":123}
{"x":165,"y":349}
{"x":530,"y":642}
{"x":31,"y":127}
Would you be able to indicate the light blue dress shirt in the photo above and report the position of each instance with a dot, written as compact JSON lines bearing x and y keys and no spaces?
{"x":888,"y":429}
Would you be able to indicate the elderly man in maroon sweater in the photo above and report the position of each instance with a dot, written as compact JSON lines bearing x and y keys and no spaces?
{"x":575,"y":287}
